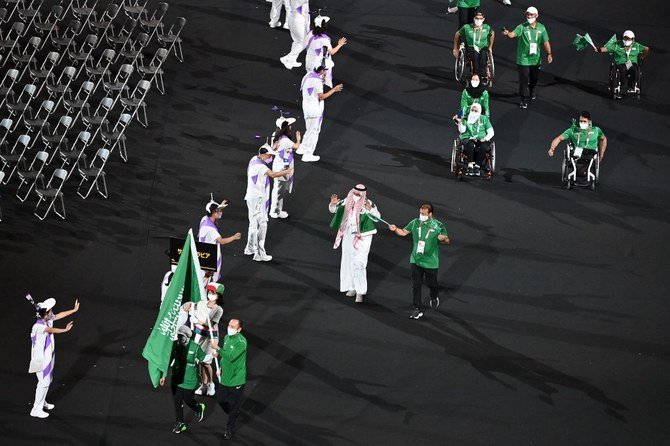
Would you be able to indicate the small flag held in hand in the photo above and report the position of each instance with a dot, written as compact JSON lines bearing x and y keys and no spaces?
{"x":582,"y":42}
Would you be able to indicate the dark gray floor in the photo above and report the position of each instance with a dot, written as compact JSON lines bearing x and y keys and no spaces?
{"x":553,"y":327}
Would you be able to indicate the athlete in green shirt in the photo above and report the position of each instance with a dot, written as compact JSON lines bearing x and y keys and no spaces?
{"x":585,"y":136}
{"x":427,"y":234}
{"x":478,"y":38}
{"x":233,"y":374}
{"x":532,"y":36}
{"x":627,"y":54}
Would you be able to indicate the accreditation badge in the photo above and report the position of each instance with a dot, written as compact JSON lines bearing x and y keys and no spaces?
{"x":420,"y":247}
{"x":577,"y":152}
{"x":476,"y":48}
{"x":532,"y":49}
{"x":629,"y":64}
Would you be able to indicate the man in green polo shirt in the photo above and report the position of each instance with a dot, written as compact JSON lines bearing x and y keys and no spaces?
{"x":427,"y":234}
{"x":233,"y":373}
{"x":478,"y":38}
{"x":532,"y":37}
{"x":466,"y":10}
{"x":585,"y":138}
{"x":627,"y":54}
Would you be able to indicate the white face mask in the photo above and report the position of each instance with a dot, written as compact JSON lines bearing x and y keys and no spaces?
{"x":583,"y":125}
{"x":531,"y":20}
{"x":423,"y":217}
{"x":479,"y":22}
{"x":474,"y":83}
{"x":627,"y":42}
{"x":211,"y":296}
{"x":473,"y":117}
{"x":356,"y":197}
{"x":231,"y":331}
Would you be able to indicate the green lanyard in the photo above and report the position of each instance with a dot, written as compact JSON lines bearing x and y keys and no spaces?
{"x":588,"y":137}
{"x":537,"y":35}
{"x":474,"y":35}
{"x":427,"y":232}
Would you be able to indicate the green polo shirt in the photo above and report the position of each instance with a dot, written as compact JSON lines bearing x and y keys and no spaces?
{"x":476,"y":130}
{"x":427,"y":233}
{"x":618,"y":52}
{"x":233,"y":360}
{"x":466,"y":3}
{"x":467,"y":100}
{"x":528,"y":35}
{"x":586,"y":139}
{"x":184,"y":370}
{"x":481,"y":38}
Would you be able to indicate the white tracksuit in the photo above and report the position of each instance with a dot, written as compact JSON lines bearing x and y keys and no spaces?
{"x":298,"y":24}
{"x":312,"y":109}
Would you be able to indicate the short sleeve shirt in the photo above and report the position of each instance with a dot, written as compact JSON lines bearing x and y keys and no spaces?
{"x":312,"y":86}
{"x":207,"y":234}
{"x":529,"y":38}
{"x":618,"y":52}
{"x":256,"y":177}
{"x":585,"y":139}
{"x":476,"y":37}
{"x":284,"y":158}
{"x":467,"y":3}
{"x":467,"y":100}
{"x":425,"y":250}
{"x":477,"y":130}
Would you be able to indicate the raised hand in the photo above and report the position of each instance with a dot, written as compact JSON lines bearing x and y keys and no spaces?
{"x":393,"y":227}
{"x":334,"y":199}
{"x":76,"y":305}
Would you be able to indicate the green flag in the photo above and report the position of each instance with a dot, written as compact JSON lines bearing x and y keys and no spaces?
{"x":582,"y":42}
{"x":611,"y":44}
{"x":186,"y":285}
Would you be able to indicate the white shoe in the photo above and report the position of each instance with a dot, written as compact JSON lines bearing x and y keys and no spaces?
{"x":359,"y":298}
{"x":276,"y":25}
{"x":283,"y":214}
{"x":38,"y":413}
{"x":507,"y":2}
{"x":452,"y":10}
{"x":249,"y":253}
{"x":286,"y":24}
{"x":296,"y":64}
{"x":265,"y":258}
{"x":309,"y":158}
{"x":300,"y":151}
{"x":287,"y":63}
{"x":48,"y":406}
{"x":200,"y":390}
{"x":273,"y":215}
{"x":350,"y":293}
{"x":211,"y":390}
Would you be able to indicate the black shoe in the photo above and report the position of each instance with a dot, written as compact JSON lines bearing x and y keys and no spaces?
{"x":533,"y":96}
{"x":227,"y":434}
{"x":434,"y":303}
{"x":416,"y":314}
{"x":523,"y":104}
{"x":199,"y":415}
{"x":179,"y":428}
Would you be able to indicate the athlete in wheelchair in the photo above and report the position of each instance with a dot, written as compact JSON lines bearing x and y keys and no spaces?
{"x":473,"y":153}
{"x":582,"y":156}
{"x":473,"y":47}
{"x":625,"y":69}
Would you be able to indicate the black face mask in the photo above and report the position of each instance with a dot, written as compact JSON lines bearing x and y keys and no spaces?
{"x":475,"y":92}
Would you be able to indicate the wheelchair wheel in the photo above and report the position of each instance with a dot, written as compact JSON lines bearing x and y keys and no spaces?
{"x":459,"y":67}
{"x":613,"y":81}
{"x":564,"y":169}
{"x":454,"y":152}
{"x":594,"y":183}
{"x":490,"y":68}
{"x":492,"y":160}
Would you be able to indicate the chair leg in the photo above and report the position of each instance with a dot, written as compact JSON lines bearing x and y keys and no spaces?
{"x":41,"y":199}
{"x":177,"y":46}
{"x":144,"y":123}
{"x":90,"y":188}
{"x":102,"y":192}
{"x":62,"y":204}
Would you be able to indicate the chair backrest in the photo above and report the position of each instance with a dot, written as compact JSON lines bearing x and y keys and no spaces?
{"x":143,"y":86}
{"x":6,"y":123}
{"x":72,"y":28}
{"x":29,"y":90}
{"x":34,"y":42}
{"x":87,"y":87}
{"x":107,"y":103}
{"x":102,"y":154}
{"x":52,"y":57}
{"x":24,"y":140}
{"x":55,"y":14}
{"x":59,"y":174}
{"x":90,"y":41}
{"x":110,"y":12}
{"x":65,"y":121}
{"x":69,"y":71}
{"x":107,"y":55}
{"x":47,"y":105}
{"x":11,"y":74}
{"x":42,"y":156}
{"x":17,"y":27}
{"x":84,"y":137}
{"x":159,"y":57}
{"x":125,"y":71}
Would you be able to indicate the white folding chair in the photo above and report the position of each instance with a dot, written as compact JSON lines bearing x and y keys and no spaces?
{"x":94,"y":174}
{"x":24,"y":58}
{"x":84,"y":10}
{"x":118,"y":40}
{"x":7,"y":84}
{"x":80,"y":100}
{"x":132,"y":49}
{"x":5,"y":127}
{"x":19,"y":107}
{"x":37,"y":121}
{"x":31,"y":176}
{"x":47,"y":25}
{"x":172,"y":40}
{"x":154,"y":71}
{"x":155,"y":20}
{"x":100,"y":27}
{"x":15,"y":157}
{"x":120,"y":81}
{"x":29,"y":12}
{"x":45,"y":71}
{"x":116,"y":137}
{"x":99,"y":117}
{"x":134,"y":8}
{"x":136,"y":100}
{"x":11,"y":41}
{"x":65,"y":41}
{"x":53,"y":140}
{"x":76,"y":152}
{"x":51,"y":193}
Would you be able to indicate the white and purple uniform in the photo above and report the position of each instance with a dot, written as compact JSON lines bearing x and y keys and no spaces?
{"x":298,"y":24}
{"x":282,"y":185}
{"x":258,"y":205}
{"x":312,"y":109}
{"x":275,"y":11}
{"x":42,"y":359}
{"x":209,"y":233}
{"x":314,"y":54}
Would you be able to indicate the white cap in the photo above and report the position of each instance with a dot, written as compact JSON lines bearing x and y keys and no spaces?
{"x":532,"y":10}
{"x":629,"y":33}
{"x":47,"y":304}
{"x":211,"y":202}
{"x":281,"y":120}
{"x":320,"y":20}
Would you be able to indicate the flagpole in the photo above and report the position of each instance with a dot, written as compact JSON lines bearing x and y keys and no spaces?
{"x":211,"y":338}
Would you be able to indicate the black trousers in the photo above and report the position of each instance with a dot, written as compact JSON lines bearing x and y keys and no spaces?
{"x":418,"y":273}
{"x":466,"y":15}
{"x":230,"y":400}
{"x":478,"y":60}
{"x":527,"y":80}
{"x":181,"y":396}
{"x":476,"y":151}
{"x":626,"y":76}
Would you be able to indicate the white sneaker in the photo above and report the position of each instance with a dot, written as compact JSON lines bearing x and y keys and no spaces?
{"x":359,"y":298}
{"x":211,"y":390}
{"x":248,"y":252}
{"x":48,"y":406}
{"x":287,"y":63}
{"x":296,"y":64}
{"x":283,"y":214}
{"x":38,"y":413}
{"x":452,"y":10}
{"x":200,"y":390}
{"x":350,"y":293}
{"x":286,"y":24}
{"x":276,"y":25}
{"x":309,"y":158}
{"x":507,"y":2}
{"x":300,"y":151}
{"x":265,"y":258}
{"x":273,"y":215}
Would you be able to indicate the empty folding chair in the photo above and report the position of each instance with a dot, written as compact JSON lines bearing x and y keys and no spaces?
{"x":16,"y":156}
{"x":155,"y":20}
{"x":172,"y":40}
{"x":136,"y":100}
{"x":45,"y":26}
{"x":19,"y":107}
{"x":13,"y":6}
{"x":119,"y":38}
{"x":120,"y":81}
{"x":2,"y":177}
{"x":134,"y":8}
{"x":80,"y":99}
{"x":100,"y":27}
{"x":132,"y":49}
{"x":116,"y":137}
{"x":154,"y":71}
{"x":7,"y":85}
{"x":3,"y":15}
{"x":101,"y":67}
{"x":93,"y":175}
{"x":50,"y":194}
{"x":96,"y":120}
{"x":53,"y":139}
{"x":24,"y":58}
{"x":84,"y":52}
{"x":84,"y":10}
{"x":31,"y":176}
{"x":11,"y":41}
{"x":37,"y":121}
{"x":61,"y":86}
{"x":66,"y":38}
{"x":5,"y":126}
{"x":76,"y":152}
{"x":29,"y":12}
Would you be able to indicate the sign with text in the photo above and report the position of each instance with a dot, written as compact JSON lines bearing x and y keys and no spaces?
{"x":206,"y":253}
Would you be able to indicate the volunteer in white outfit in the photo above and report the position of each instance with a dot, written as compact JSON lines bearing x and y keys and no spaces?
{"x":209,"y":233}
{"x":258,"y":201}
{"x":283,"y":159}
{"x":298,"y":24}
{"x":313,"y":99}
{"x":318,"y":41}
{"x":43,"y":353}
{"x":275,"y":13}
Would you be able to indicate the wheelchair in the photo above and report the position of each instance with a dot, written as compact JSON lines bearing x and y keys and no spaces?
{"x":462,"y":61}
{"x":580,"y":171}
{"x":459,"y":161}
{"x":613,"y":82}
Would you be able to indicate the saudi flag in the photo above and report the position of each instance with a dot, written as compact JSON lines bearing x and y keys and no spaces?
{"x":186,"y":285}
{"x":610,"y":45}
{"x":582,"y":42}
